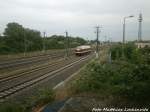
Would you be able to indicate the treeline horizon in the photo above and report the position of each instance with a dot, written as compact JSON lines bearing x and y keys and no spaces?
{"x":18,"y":39}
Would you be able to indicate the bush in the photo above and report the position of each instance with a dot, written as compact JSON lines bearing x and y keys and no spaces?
{"x":121,"y":79}
{"x":11,"y":107}
{"x":130,"y":53}
{"x":43,"y":96}
{"x":116,"y":52}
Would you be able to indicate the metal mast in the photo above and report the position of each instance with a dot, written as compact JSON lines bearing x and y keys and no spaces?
{"x":140,"y":27}
{"x":44,"y":47}
{"x":124,"y":27}
{"x":67,"y":45}
{"x":97,"y":40}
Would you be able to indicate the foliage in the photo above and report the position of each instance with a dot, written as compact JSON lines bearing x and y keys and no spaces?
{"x":116,"y":52}
{"x":3,"y":47}
{"x":42,"y":97}
{"x":33,"y":40}
{"x":118,"y":79}
{"x":18,"y":39}
{"x":130,"y":53}
{"x":126,"y":77}
{"x":145,"y":55}
{"x":11,"y":107}
{"x":60,"y":42}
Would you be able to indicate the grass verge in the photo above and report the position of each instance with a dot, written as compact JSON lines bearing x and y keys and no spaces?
{"x":43,"y":97}
{"x":121,"y":83}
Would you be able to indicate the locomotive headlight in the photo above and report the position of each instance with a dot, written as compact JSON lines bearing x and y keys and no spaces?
{"x":78,"y":49}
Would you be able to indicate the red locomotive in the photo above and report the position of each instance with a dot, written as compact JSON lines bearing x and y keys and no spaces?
{"x":83,"y":50}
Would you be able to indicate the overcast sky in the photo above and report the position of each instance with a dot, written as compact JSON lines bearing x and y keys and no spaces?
{"x":78,"y":17}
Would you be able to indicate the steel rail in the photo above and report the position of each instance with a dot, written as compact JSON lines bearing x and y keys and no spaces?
{"x":27,"y":61}
{"x":34,"y":74}
{"x":10,"y":77}
{"x":12,"y":90}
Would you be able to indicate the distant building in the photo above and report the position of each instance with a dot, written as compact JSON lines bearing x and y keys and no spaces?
{"x":142,"y":44}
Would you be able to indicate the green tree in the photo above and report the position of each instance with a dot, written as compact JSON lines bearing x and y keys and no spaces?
{"x":59,"y":42}
{"x":33,"y":40}
{"x":14,"y":34}
{"x":19,"y":38}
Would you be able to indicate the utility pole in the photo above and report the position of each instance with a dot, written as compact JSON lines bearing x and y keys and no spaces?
{"x":44,"y":33}
{"x":67,"y":45}
{"x":25,"y":46}
{"x":109,"y":53}
{"x":97,"y":40}
{"x":105,"y":39}
{"x":124,"y":27}
{"x":87,"y":40}
{"x":140,"y":28}
{"x":124,"y":30}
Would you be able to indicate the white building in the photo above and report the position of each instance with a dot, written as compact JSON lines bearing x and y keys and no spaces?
{"x":142,"y":44}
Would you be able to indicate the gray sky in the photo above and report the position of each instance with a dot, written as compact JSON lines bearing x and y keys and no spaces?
{"x":79,"y":17}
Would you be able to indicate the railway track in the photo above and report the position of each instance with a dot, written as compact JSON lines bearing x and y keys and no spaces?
{"x":19,"y":62}
{"x":10,"y":77}
{"x":30,"y":74}
{"x":22,"y":64}
{"x":8,"y":59}
{"x":47,"y":72}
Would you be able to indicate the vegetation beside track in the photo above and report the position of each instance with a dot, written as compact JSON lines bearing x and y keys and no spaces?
{"x":42,"y":97}
{"x":124,"y":81}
